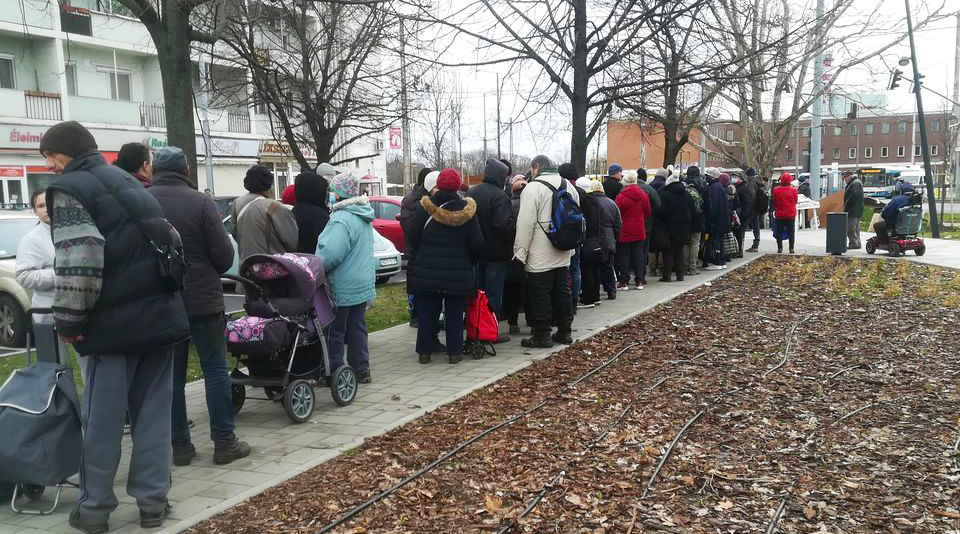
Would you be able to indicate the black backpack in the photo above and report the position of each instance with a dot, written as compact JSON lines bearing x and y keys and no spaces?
{"x":761,"y":202}
{"x":567,"y":224}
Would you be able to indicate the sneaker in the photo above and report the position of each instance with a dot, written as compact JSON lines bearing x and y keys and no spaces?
{"x":439,"y":347}
{"x":563,"y":339}
{"x":424,"y":358}
{"x":714,"y":268}
{"x":183,"y":452}
{"x":724,"y":266}
{"x":85,"y":526}
{"x":363,"y":377}
{"x":155,"y":520}
{"x":638,"y":286}
{"x":225,"y":452}
{"x":623,"y":287}
{"x":611,"y":295}
{"x":515,"y":329}
{"x":536,"y":342}
{"x":791,"y":251}
{"x":502,"y":338}
{"x":455,"y":358}
{"x":585,"y":305}
{"x":753,"y":249}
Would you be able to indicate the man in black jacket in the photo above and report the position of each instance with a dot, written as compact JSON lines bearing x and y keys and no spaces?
{"x":408,"y":206}
{"x":116,"y":305}
{"x":611,"y":184}
{"x":853,"y":205}
{"x":210,"y":254}
{"x":311,"y":210}
{"x":499,"y":228}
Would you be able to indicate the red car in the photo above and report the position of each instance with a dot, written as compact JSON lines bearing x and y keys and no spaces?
{"x":387,"y":212}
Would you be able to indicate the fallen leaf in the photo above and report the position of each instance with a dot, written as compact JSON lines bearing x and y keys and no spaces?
{"x":573,"y":499}
{"x":688,"y":481}
{"x":725,"y":504}
{"x":492,"y":503}
{"x":809,"y":512}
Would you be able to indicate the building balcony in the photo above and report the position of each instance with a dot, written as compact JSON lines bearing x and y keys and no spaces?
{"x":30,"y":105}
{"x":153,"y":115}
{"x":105,"y":110}
{"x":238,"y":122}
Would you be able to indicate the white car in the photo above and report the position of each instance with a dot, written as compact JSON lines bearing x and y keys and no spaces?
{"x":14,"y":299}
{"x":387,"y":257}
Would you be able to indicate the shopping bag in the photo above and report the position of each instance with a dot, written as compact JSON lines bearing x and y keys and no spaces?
{"x":481,"y":323}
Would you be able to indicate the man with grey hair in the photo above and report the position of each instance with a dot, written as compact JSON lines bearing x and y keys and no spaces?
{"x":547,"y":267}
{"x":210,"y":254}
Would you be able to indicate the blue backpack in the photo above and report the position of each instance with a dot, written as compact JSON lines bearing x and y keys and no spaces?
{"x":567,"y":224}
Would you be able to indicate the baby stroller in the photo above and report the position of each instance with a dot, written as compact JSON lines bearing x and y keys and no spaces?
{"x":280,"y":341}
{"x":904,"y":236}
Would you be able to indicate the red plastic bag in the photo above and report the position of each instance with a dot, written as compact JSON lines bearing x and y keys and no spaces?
{"x":481,"y":322}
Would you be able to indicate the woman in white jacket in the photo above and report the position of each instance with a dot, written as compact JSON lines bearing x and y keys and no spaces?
{"x":35,"y":256}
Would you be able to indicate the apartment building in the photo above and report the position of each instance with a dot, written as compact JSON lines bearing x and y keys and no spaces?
{"x":91,"y":61}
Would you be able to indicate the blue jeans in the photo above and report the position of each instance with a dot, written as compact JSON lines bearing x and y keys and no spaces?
{"x":576,"y":278}
{"x":412,"y":306}
{"x":207,"y":335}
{"x":350,"y":325}
{"x":490,"y":278}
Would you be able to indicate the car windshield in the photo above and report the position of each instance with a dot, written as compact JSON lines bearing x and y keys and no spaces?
{"x":11,"y":232}
{"x":387,"y":211}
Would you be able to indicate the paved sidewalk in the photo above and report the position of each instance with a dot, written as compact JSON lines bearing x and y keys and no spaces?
{"x":402,"y":390}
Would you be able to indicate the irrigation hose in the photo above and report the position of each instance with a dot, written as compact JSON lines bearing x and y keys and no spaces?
{"x":776,"y":517}
{"x":463,"y":445}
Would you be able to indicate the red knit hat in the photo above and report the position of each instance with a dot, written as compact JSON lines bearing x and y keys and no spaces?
{"x":449,"y":180}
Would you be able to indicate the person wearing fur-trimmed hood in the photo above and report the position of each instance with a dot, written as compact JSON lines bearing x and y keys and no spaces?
{"x":346,"y":248}
{"x":447,"y":239}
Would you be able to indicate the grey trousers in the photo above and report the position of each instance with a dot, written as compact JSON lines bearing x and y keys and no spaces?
{"x":691,"y":254}
{"x":853,"y":233}
{"x":141,"y":385}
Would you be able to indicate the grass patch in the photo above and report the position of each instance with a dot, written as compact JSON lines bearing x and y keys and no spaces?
{"x":390,"y":309}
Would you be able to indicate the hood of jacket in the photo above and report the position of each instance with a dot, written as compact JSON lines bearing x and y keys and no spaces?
{"x":495,"y":173}
{"x":632,"y":191}
{"x":172,"y":178}
{"x":675,"y":187}
{"x":785,"y":179}
{"x":359,"y":206}
{"x":457,"y":213}
{"x":311,"y":188}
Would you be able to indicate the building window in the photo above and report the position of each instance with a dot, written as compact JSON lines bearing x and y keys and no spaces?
{"x":71,"y":69}
{"x":789,"y":154}
{"x":884,"y":152}
{"x":934,"y":150}
{"x":885,"y":128}
{"x":868,"y":152}
{"x":935,"y":125}
{"x":901,"y":151}
{"x":729,"y":135}
{"x":916,"y":150}
{"x":868,"y":129}
{"x":901,"y":127}
{"x":806,"y":132}
{"x":852,"y":153}
{"x":852,"y":129}
{"x":8,"y":78}
{"x":836,"y":153}
{"x":119,"y":83}
{"x":837,"y":131}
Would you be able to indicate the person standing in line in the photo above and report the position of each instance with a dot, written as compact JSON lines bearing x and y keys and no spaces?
{"x":612,"y":224}
{"x":34,"y":271}
{"x":853,"y":205}
{"x":650,"y":223}
{"x":311,"y":210}
{"x":498,"y":227}
{"x":634,"y":206}
{"x":593,"y":250}
{"x":696,"y":187}
{"x":346,"y":249}
{"x":749,"y":191}
{"x":209,"y":254}
{"x":784,"y":199}
{"x":117,"y":307}
{"x":447,"y":238}
{"x":612,"y":183}
{"x":262,"y":225}
{"x":514,"y":287}
{"x":674,"y":219}
{"x":569,"y":173}
{"x":408,"y":206}
{"x":547,"y":267}
{"x":135,"y":158}
{"x":717,"y":223}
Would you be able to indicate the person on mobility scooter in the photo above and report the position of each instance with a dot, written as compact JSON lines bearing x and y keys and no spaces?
{"x":899,"y":224}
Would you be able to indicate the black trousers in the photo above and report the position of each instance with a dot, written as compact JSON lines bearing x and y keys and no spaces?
{"x":513,"y":300}
{"x":785,"y":226}
{"x":880,"y":227}
{"x":590,"y":279}
{"x":549,"y":296}
{"x":673,"y":261}
{"x":630,"y":258}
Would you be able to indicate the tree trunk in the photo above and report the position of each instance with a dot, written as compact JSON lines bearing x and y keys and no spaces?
{"x":579,"y":104}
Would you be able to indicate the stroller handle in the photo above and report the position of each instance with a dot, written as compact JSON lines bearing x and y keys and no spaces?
{"x":247,"y":284}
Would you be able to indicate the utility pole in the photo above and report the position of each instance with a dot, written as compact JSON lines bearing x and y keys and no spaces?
{"x":405,"y":119}
{"x":925,"y":148}
{"x":205,"y":122}
{"x":816,"y":123}
{"x":498,"y":116}
{"x":484,"y":126}
{"x":511,"y":141}
{"x":956,"y":116}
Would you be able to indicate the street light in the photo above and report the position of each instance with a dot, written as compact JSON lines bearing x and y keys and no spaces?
{"x":904,"y":61}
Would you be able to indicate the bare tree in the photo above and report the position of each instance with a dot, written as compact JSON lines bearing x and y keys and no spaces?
{"x":437,"y":119}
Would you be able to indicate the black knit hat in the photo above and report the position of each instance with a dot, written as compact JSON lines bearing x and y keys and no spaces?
{"x":258,"y":179}
{"x":69,"y":138}
{"x":568,"y":172}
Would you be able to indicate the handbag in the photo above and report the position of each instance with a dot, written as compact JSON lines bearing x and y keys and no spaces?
{"x":730,"y":246}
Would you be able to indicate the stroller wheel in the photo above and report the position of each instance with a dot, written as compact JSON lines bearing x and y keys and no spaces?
{"x":343,"y":385}
{"x":239,"y":394}
{"x":32,"y":492}
{"x":298,"y":401}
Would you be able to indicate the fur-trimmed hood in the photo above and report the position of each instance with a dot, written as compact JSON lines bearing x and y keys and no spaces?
{"x":458,"y":212}
{"x":359,"y":206}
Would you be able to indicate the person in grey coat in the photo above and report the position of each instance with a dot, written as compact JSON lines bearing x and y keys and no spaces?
{"x":853,"y":205}
{"x":611,"y":223}
{"x":262,"y":225}
{"x":210,"y":254}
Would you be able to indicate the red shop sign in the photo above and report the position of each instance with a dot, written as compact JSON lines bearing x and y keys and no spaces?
{"x":11,"y":171}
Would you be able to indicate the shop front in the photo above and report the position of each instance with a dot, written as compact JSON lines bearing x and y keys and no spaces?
{"x":279,"y":159}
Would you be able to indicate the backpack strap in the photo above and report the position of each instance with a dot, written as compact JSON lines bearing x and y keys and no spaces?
{"x":431,"y":217}
{"x":553,"y":200}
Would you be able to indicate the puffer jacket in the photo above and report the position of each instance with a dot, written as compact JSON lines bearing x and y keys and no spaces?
{"x":718,"y":216}
{"x":311,"y":210}
{"x":675,"y":213}
{"x":593,"y":246}
{"x":634,"y":208}
{"x":784,"y":199}
{"x":611,"y":221}
{"x":494,"y":213}
{"x":346,"y":248}
{"x":446,"y":235}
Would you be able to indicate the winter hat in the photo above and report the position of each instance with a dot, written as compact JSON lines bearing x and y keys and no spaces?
{"x":258,"y":179}
{"x":170,"y":159}
{"x":693,"y":172}
{"x":449,"y":180}
{"x":614,"y":169}
{"x":596,"y":186}
{"x":724,"y":179}
{"x":568,"y":172}
{"x":786,"y":178}
{"x":288,"y":196}
{"x":751,"y":172}
{"x":642,"y":175}
{"x":713,"y":172}
{"x":69,"y":138}
{"x":345,"y":185}
{"x":584,"y":183}
{"x":629,"y":178}
{"x":518,"y":183}
{"x":663,"y":173}
{"x":672,"y":179}
{"x":326,"y":170}
{"x":430,"y":180}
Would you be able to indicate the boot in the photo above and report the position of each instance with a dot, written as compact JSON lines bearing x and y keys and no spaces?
{"x":228,"y":451}
{"x":154,"y":520}
{"x":537,"y":341}
{"x":424,"y":358}
{"x":515,"y":329}
{"x":87,"y":527}
{"x":363,"y":377}
{"x":183,"y":452}
{"x":562,"y":338}
{"x":455,"y":358}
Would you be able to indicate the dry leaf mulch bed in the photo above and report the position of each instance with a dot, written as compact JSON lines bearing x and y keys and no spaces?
{"x":828,"y":401}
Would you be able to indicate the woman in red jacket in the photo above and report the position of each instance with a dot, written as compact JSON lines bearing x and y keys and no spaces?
{"x":634,"y":205}
{"x":784,"y":211}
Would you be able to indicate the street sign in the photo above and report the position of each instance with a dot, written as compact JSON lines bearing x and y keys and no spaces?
{"x":396,"y":138}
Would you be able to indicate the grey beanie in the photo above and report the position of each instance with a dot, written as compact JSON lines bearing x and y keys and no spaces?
{"x":170,"y":158}
{"x":326,"y":170}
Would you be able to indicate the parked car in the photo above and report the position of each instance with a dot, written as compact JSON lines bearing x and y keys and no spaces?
{"x":387,"y":257}
{"x":387,"y":221}
{"x":14,"y":299}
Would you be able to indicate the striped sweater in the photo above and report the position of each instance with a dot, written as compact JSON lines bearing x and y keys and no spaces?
{"x":79,"y":263}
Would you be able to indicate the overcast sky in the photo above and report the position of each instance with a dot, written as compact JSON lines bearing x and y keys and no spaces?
{"x":549,"y":133}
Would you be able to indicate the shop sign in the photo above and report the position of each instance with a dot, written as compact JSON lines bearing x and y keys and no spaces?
{"x":11,"y":171}
{"x":155,"y":143}
{"x":396,"y":138}
{"x":273,"y":149}
{"x":228,"y":147}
